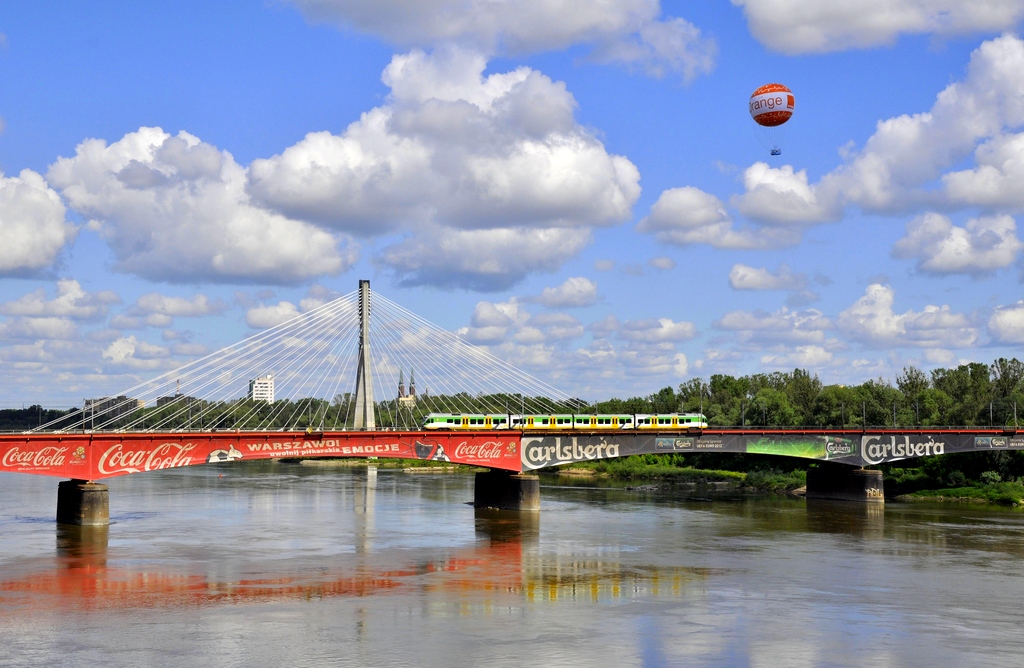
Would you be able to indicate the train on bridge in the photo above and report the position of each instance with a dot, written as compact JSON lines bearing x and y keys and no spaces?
{"x":565,"y":421}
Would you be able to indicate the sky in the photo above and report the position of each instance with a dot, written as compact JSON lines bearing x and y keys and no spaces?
{"x":577,"y":186}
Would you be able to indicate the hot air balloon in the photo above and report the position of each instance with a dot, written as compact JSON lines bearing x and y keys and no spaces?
{"x":771,"y":106}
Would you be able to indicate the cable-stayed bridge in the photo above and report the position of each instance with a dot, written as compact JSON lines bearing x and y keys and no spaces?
{"x":332,"y":383}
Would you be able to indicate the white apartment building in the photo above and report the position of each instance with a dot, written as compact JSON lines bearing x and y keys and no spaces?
{"x":262,"y":388}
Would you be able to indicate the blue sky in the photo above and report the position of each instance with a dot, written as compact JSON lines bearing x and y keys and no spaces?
{"x":576,"y":186}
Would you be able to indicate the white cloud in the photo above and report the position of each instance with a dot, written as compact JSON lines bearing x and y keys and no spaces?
{"x":198,"y":305}
{"x":38,"y":329}
{"x":910,"y":150}
{"x":626,"y":31}
{"x":121,"y":321}
{"x":871,"y":319}
{"x":189,"y":349}
{"x":454,"y":147}
{"x":452,"y":155}
{"x":656,"y":360}
{"x":657,"y":330}
{"x":940,"y":356}
{"x":262,"y":317}
{"x":742,"y":277}
{"x":492,"y":322}
{"x":689,"y":215}
{"x":891,"y":174}
{"x":484,"y":260}
{"x":604,"y":265}
{"x":981,"y":246}
{"x":556,"y":326}
{"x":804,"y":357}
{"x":175,"y":209}
{"x":317,"y":296}
{"x":811,"y":26}
{"x":32,"y":224}
{"x":71,"y":301}
{"x":663,"y":263}
{"x":1006,"y":325}
{"x":782,"y":196}
{"x":131,"y":353}
{"x":574,"y":292}
{"x":782,"y":326}
{"x":995,"y":182}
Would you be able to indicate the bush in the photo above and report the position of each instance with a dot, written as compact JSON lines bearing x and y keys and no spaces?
{"x":774,"y":480}
{"x":990,"y":477}
{"x":956,"y":479}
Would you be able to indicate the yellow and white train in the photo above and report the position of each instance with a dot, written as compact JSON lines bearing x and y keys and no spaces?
{"x":565,"y":421}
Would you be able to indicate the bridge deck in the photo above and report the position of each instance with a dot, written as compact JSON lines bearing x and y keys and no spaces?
{"x":98,"y":455}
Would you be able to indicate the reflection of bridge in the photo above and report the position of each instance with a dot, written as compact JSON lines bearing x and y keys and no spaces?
{"x":497,"y":568}
{"x":203,"y":421}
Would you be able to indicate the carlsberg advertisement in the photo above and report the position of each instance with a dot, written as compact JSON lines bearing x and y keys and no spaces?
{"x":854,"y":448}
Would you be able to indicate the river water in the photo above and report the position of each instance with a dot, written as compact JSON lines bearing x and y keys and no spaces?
{"x":271,"y":564}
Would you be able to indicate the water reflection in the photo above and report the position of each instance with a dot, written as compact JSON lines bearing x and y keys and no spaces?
{"x":865,"y":520}
{"x":506,"y":526}
{"x":504,"y":561}
{"x":272,"y":562}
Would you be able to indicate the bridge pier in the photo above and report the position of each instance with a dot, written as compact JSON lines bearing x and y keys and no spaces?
{"x":83,"y":502}
{"x":839,"y":482}
{"x":505,"y":490}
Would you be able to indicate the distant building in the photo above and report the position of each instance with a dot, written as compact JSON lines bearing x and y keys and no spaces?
{"x":262,"y":388}
{"x":407,"y":400}
{"x":173,"y":399}
{"x":109,"y":408}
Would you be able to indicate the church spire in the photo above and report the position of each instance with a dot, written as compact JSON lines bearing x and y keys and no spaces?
{"x":412,"y":382}
{"x":401,"y":384}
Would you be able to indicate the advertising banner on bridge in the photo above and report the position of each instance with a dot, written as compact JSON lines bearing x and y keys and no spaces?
{"x":98,"y":456}
{"x":854,"y":448}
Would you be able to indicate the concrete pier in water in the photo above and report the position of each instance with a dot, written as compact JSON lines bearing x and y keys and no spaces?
{"x":83,"y":503}
{"x":843,"y":483}
{"x":507,"y":491}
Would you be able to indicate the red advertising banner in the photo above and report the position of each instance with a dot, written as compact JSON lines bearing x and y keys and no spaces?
{"x":105,"y":455}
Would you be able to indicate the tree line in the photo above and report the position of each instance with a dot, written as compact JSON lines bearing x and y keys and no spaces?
{"x":973,"y":394}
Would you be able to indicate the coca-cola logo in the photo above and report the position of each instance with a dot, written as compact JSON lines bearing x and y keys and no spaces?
{"x":45,"y":457}
{"x":167,"y":455}
{"x":482,"y":451}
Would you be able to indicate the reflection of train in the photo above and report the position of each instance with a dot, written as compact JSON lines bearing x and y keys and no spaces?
{"x":557,"y":422}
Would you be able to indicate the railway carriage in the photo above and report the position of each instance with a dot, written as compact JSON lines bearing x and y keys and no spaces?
{"x":564,"y":421}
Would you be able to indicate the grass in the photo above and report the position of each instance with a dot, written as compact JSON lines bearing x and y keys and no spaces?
{"x":668,"y":468}
{"x":773,"y":480}
{"x":1003,"y":493}
{"x":636,"y":468}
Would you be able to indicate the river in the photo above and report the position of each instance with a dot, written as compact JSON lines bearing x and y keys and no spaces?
{"x":272,"y":564}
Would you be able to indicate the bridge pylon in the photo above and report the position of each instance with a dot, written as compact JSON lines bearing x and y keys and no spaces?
{"x":364,"y":419}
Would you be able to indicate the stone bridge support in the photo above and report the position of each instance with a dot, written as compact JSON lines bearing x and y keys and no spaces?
{"x":840,"y":482}
{"x":505,"y":490}
{"x":83,"y":503}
